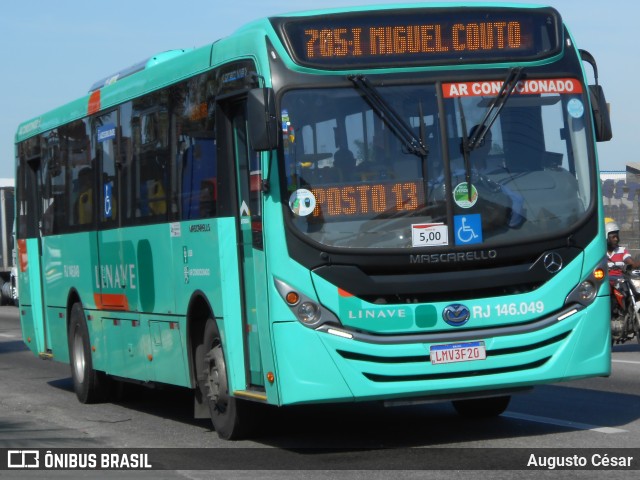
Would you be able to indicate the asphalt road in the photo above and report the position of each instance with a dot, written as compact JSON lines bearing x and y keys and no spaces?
{"x":38,"y":410}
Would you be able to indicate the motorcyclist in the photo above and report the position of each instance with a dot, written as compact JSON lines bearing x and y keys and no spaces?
{"x":624,"y":295}
{"x":618,"y":257}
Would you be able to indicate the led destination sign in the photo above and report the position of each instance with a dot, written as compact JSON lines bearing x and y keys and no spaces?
{"x":379,"y":199}
{"x":413,"y":39}
{"x":421,"y":37}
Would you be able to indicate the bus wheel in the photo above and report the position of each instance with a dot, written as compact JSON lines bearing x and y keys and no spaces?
{"x":482,"y":407}
{"x":90,"y":386}
{"x":225,"y":411}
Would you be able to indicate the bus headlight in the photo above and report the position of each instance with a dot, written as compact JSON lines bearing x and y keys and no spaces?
{"x":309,"y":313}
{"x":306,"y":310}
{"x":587,"y":291}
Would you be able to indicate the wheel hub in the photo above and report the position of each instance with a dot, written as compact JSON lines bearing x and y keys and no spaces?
{"x":216,"y":377}
{"x":78,"y":356}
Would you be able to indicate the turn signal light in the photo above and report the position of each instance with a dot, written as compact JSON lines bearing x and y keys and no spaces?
{"x":292,"y":298}
{"x":598,"y":274}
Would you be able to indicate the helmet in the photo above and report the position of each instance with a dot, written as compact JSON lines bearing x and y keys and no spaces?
{"x":611,"y":226}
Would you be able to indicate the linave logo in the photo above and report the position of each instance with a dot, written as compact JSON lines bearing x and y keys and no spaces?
{"x":456,"y":315}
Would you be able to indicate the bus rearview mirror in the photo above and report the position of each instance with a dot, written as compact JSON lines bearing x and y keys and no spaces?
{"x":601,"y":118}
{"x":263,"y":121}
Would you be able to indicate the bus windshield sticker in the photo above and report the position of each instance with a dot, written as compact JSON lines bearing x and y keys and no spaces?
{"x":288,"y":133}
{"x":302,"y":202}
{"x":468,"y":229}
{"x":461,"y":195}
{"x":429,"y":235}
{"x":575,"y":108}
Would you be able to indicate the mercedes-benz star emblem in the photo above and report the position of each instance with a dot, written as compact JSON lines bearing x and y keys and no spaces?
{"x":553,"y":262}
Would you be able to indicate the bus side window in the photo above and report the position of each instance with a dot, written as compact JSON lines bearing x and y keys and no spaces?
{"x":85,"y":207}
{"x":84,"y":202}
{"x":156,"y":197}
{"x":199,"y":172}
{"x":208,"y":198}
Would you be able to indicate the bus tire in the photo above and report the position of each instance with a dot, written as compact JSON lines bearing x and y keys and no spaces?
{"x":229,"y":415}
{"x":90,"y":386}
{"x":5,"y":291}
{"x":482,"y":407}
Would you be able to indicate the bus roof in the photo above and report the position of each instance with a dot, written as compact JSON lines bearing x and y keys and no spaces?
{"x":169,"y":67}
{"x":120,"y":87}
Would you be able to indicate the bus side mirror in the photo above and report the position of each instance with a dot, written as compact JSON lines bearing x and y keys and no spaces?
{"x":599,"y":107}
{"x":262,"y":118}
{"x":600,"y":110}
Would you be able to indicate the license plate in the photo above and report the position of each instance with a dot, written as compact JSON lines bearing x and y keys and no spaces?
{"x":457,"y":352}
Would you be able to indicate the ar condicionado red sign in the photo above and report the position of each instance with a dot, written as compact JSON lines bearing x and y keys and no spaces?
{"x":525,"y":87}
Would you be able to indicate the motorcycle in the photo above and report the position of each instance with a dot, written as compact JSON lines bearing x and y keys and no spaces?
{"x":625,"y":305}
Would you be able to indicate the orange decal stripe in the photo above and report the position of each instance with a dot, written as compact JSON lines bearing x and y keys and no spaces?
{"x":111,"y":301}
{"x":94,"y":103}
{"x":22,"y":255}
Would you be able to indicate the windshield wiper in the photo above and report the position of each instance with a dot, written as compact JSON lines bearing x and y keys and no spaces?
{"x":389,"y":115}
{"x":477,"y":138}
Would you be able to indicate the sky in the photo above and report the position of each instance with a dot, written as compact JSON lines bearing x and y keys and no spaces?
{"x":53,"y":52}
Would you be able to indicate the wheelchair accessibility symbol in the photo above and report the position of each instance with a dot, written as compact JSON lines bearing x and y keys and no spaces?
{"x":108,"y":204}
{"x":468,"y":229}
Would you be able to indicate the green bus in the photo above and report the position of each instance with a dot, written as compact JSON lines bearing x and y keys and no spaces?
{"x":395,"y":203}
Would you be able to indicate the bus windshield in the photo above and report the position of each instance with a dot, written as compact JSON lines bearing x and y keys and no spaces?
{"x":353,"y":181}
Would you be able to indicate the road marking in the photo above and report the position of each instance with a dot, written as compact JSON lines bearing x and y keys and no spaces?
{"x":7,"y":335}
{"x":562,"y":423}
{"x":626,"y":361}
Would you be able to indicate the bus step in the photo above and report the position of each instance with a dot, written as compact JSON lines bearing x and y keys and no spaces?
{"x":260,"y":396}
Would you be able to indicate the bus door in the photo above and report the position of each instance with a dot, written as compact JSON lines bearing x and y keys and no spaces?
{"x":248,"y":198}
{"x":112,"y":294}
{"x":118,"y":272}
{"x":33,"y":191}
